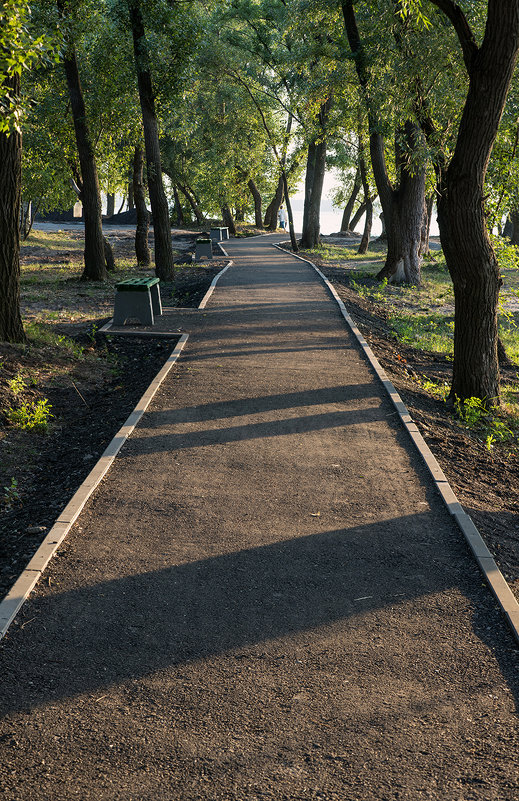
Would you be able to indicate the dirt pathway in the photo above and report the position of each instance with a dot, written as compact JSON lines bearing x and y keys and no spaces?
{"x":265,"y":599}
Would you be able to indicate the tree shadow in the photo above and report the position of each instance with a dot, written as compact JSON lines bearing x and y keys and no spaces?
{"x":109,"y":632}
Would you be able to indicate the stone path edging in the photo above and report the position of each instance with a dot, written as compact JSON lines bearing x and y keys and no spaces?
{"x":493,"y":576}
{"x":25,"y":583}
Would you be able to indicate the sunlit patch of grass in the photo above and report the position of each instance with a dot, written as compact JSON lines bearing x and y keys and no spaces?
{"x":429,"y":332}
{"x":40,"y":335}
{"x":334,"y":253}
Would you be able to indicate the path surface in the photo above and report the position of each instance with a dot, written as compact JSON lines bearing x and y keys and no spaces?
{"x":264,"y":599}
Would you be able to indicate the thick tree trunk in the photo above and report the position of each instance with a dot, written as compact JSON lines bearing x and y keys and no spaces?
{"x":178,"y":207}
{"x":403,"y":206}
{"x":142,"y":250}
{"x":228,"y":220}
{"x":258,"y":220}
{"x":348,"y":209}
{"x":164,"y":266}
{"x":315,"y":170}
{"x":271,"y":215}
{"x":461,"y":207}
{"x":95,"y":267}
{"x":11,"y":327}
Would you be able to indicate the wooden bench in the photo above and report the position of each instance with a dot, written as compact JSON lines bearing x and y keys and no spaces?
{"x":137,"y":298}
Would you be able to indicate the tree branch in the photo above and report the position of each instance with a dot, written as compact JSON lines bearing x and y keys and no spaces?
{"x":463,"y":30}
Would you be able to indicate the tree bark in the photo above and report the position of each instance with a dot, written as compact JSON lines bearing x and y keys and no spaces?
{"x":271,"y":214}
{"x":514,"y":225}
{"x":364,"y":242}
{"x":95,"y":263}
{"x":426,"y":227}
{"x":258,"y":220}
{"x":192,"y":202}
{"x":461,"y":207}
{"x":315,"y":169}
{"x":164,"y":265}
{"x":358,"y":214}
{"x":110,"y":204}
{"x":293,"y":240}
{"x":348,"y":209}
{"x":11,"y":326}
{"x":228,"y":219}
{"x":403,"y":206}
{"x":178,"y":207}
{"x":142,"y":250}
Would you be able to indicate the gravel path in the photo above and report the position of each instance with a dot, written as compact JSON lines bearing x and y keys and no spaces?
{"x":265,"y":599}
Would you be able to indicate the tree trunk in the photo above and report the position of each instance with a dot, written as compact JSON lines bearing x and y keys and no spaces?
{"x":271,"y":215}
{"x":11,"y":327}
{"x":514,"y":233}
{"x":315,"y":169}
{"x":142,"y":250}
{"x":348,"y":209}
{"x":508,"y":228}
{"x":164,"y":266}
{"x":121,"y":207}
{"x":192,"y":202}
{"x":461,"y":207}
{"x":258,"y":221}
{"x":404,"y":211}
{"x":95,"y":267}
{"x":364,"y":242}
{"x":403,"y":206}
{"x":358,"y":214}
{"x":131,"y":202}
{"x":109,"y":255}
{"x":426,"y":227}
{"x":293,"y":240}
{"x":110,"y":204}
{"x":228,"y":220}
{"x":178,"y":207}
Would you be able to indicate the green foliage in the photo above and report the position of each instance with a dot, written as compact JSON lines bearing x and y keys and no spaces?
{"x":10,"y":496}
{"x":19,"y":50}
{"x":430,"y":332}
{"x":17,"y":384}
{"x":33,"y":416}
{"x":479,"y":416}
{"x":41,"y":335}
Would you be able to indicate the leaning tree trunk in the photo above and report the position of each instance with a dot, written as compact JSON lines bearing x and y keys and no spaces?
{"x":348,"y":209}
{"x":194,"y":205}
{"x":258,"y":220}
{"x":271,"y":215}
{"x":95,"y":266}
{"x":461,"y":207}
{"x":228,"y":220}
{"x":358,"y":214}
{"x":164,"y":266}
{"x":11,"y":327}
{"x":142,"y":250}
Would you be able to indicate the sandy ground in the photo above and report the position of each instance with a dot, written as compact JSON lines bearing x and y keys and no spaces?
{"x":265,"y":599}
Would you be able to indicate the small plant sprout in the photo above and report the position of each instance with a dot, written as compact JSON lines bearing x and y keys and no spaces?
{"x":33,"y":416}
